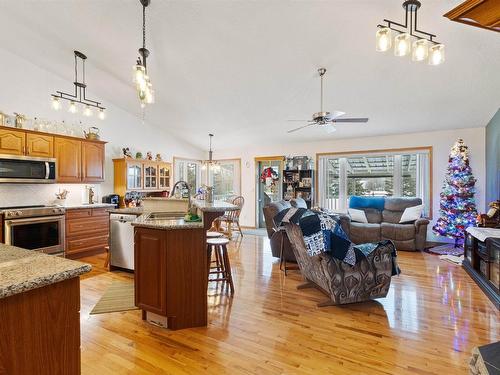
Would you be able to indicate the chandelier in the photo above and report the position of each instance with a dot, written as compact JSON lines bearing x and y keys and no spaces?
{"x":141,"y":79}
{"x":424,"y":47}
{"x":210,"y":163}
{"x":80,"y":93}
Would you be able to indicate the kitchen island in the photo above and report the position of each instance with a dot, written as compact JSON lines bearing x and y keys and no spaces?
{"x":211,"y":211}
{"x":171,"y":277}
{"x":39,"y":312}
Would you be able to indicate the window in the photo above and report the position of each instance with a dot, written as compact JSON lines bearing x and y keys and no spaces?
{"x":189,"y":171}
{"x":225,"y":178}
{"x":390,"y":173}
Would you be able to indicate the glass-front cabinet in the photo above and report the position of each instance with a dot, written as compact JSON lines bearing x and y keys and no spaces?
{"x":134,"y":176}
{"x":151,"y":177}
{"x":163,"y":176}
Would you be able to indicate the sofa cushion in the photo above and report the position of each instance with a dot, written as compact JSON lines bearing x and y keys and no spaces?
{"x":373,"y":215}
{"x":358,"y":202}
{"x":400,"y":203}
{"x":397,"y":232}
{"x":362,"y":233}
{"x":392,"y":217}
{"x":357,"y":215}
{"x":412,"y":214}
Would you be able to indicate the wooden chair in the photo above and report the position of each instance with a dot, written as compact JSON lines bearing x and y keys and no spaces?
{"x":231,"y":218}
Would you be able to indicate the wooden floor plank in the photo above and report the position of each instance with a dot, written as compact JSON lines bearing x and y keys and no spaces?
{"x":431,"y":319}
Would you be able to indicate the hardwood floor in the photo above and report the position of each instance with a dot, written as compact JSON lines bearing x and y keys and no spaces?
{"x":432,"y":318}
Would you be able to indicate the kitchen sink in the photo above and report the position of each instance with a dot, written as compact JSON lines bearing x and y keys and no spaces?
{"x":165,"y":216}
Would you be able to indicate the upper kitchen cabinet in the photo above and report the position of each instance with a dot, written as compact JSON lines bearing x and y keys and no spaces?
{"x":92,"y":162}
{"x":68,"y":153}
{"x":151,"y":176}
{"x":12,"y":142}
{"x":39,"y":145}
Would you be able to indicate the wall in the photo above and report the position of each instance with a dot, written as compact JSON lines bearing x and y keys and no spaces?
{"x":26,"y":89}
{"x":441,"y":141}
{"x":493,"y":159}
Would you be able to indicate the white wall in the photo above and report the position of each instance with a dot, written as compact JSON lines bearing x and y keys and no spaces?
{"x":441,"y":141}
{"x":26,"y":88}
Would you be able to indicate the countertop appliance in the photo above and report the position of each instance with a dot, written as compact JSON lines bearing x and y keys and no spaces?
{"x":121,"y":241}
{"x":38,"y":228}
{"x":112,"y":198}
{"x":27,"y":169}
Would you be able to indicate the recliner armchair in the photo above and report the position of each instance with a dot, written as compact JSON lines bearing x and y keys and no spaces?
{"x":384,"y":225}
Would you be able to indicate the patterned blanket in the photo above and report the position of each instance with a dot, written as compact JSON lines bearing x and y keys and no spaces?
{"x":323,"y":233}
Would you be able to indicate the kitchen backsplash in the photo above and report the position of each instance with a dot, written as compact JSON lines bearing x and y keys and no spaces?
{"x":36,"y":194}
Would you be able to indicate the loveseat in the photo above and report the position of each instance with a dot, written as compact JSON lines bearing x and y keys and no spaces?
{"x":383,"y":215}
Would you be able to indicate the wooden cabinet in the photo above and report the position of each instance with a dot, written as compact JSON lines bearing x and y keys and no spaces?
{"x":150,"y":176}
{"x":150,"y":265}
{"x":78,"y":160}
{"x":479,"y":13}
{"x":140,"y":175}
{"x":87,"y":230}
{"x":40,"y":330}
{"x":171,"y":275}
{"x":12,"y":142}
{"x":68,"y":153}
{"x":92,"y":162}
{"x":39,"y":145}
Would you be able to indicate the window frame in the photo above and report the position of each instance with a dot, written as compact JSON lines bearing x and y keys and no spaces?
{"x":366,"y":153}
{"x":199,"y":181}
{"x":236,"y":179}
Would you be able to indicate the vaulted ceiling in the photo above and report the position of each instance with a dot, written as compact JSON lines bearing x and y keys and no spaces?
{"x":242,"y":68}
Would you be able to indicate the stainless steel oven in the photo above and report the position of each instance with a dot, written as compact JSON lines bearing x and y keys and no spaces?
{"x":27,"y":169}
{"x":35,"y":228}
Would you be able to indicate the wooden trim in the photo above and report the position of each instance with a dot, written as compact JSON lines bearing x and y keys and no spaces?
{"x":264,"y":158}
{"x":392,"y":150}
{"x":479,"y":13}
{"x":28,"y":131}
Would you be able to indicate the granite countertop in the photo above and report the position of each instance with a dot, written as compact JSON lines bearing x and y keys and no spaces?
{"x":166,"y":224}
{"x":217,"y":206}
{"x":23,"y":270}
{"x":86,"y":205}
{"x":127,"y":210}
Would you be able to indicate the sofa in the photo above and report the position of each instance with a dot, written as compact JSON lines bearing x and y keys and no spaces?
{"x":368,"y":279}
{"x":275,"y":236}
{"x":383,"y":215}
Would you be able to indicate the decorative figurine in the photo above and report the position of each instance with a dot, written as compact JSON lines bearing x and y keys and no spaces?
{"x":19,"y":122}
{"x":138,"y":155}
{"x":158,"y":157}
{"x":149,"y":155}
{"x":127,"y":153}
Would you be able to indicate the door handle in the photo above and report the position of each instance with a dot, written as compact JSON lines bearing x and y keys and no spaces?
{"x":47,"y":170}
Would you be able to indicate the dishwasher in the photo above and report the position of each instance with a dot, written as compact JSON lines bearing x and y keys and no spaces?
{"x":121,"y":241}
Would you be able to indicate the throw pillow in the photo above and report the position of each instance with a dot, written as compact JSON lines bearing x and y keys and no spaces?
{"x":412,"y":213}
{"x":357,"y":215}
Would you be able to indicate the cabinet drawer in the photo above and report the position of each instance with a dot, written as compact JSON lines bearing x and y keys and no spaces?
{"x":86,"y":226}
{"x":79,"y":213}
{"x":100,"y":212}
{"x":85,"y":243}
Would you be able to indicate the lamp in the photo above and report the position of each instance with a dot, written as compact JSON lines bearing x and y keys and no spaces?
{"x":402,"y":42}
{"x":141,"y":79}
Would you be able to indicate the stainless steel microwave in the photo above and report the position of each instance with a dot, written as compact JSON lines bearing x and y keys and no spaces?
{"x":27,"y":169}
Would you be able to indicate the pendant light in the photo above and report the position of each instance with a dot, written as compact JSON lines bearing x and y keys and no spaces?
{"x":142,"y":82}
{"x":423,"y":48}
{"x":210,"y":163}
{"x":80,"y":94}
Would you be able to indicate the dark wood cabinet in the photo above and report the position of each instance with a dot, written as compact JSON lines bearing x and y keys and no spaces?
{"x":171,"y":275}
{"x":40,"y":330}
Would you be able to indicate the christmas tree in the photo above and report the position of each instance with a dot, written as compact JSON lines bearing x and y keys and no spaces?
{"x":457,"y":207}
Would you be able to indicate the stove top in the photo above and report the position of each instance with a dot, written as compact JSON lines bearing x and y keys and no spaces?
{"x":18,"y":212}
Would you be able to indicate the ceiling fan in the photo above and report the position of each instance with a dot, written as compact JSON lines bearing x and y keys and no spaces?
{"x":326,"y":119}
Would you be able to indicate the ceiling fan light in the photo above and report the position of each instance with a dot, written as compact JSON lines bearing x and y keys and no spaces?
{"x":420,"y":50}
{"x":436,"y":54}
{"x":383,"y":39}
{"x":402,"y":44}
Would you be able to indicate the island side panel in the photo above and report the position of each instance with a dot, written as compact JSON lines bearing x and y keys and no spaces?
{"x":187,"y":278}
{"x":40,"y":330}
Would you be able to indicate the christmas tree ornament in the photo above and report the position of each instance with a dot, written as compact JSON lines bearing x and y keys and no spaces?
{"x":457,"y":206}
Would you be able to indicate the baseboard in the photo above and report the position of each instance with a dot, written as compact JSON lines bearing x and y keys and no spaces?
{"x":87,"y":253}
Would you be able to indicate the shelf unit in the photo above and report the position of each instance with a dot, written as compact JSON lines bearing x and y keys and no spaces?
{"x":298,"y":183}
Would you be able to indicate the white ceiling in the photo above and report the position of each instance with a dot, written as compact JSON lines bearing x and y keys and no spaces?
{"x":241,"y":68}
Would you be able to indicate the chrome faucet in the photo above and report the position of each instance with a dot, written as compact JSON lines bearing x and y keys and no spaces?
{"x":172,"y":193}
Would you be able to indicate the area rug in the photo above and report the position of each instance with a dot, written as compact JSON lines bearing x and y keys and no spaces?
{"x":448,"y":249}
{"x":118,"y":297}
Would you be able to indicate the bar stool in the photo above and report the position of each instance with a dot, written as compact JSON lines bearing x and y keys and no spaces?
{"x":218,"y":259}
{"x":219,"y":246}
